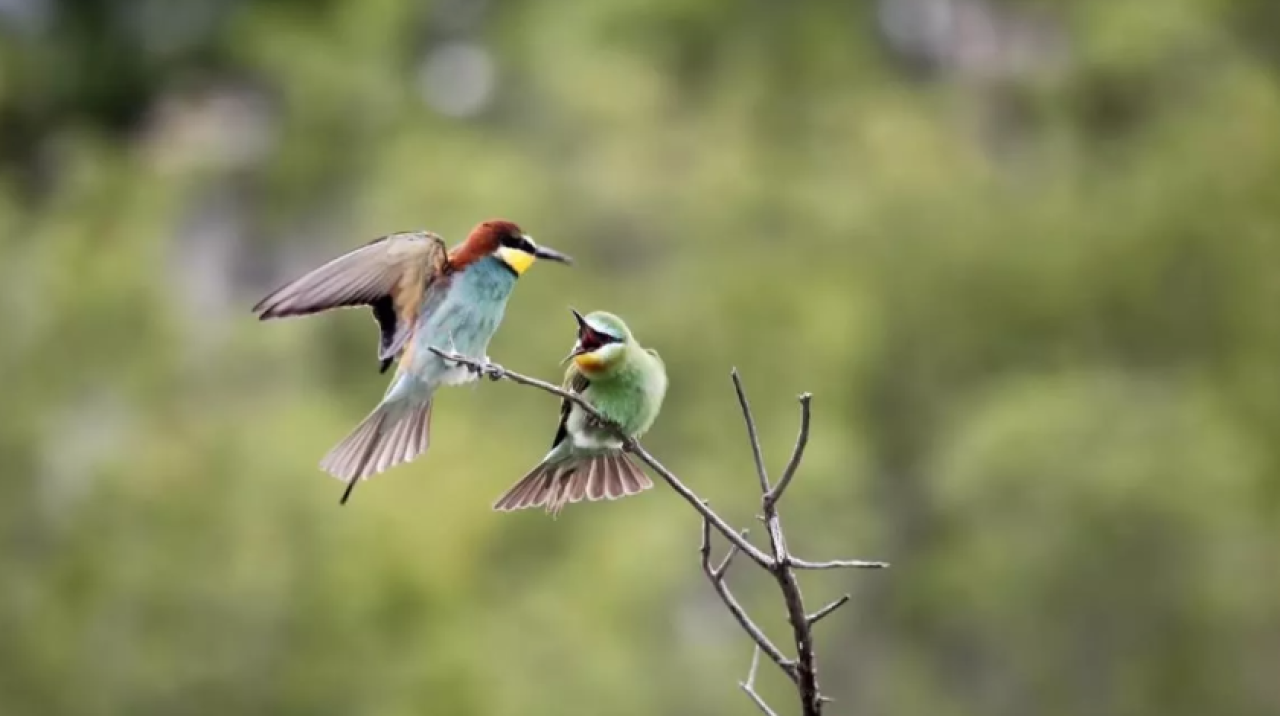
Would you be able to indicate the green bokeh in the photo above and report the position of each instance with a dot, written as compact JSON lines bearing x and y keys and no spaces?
{"x":1036,"y":304}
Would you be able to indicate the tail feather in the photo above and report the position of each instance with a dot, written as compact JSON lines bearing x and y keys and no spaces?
{"x":553,"y":485}
{"x":392,"y":434}
{"x":595,"y":481}
{"x":577,"y":489}
{"x":529,"y":492}
{"x":633,"y":478}
{"x":618,"y":482}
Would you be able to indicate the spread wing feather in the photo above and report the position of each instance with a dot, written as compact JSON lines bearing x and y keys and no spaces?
{"x":389,"y":274}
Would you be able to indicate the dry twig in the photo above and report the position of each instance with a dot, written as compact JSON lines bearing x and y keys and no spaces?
{"x":749,"y":686}
{"x":781,"y":565}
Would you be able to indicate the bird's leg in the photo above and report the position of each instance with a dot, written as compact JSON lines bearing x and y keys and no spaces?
{"x":601,"y":426}
{"x":605,"y":427}
{"x":453,"y":350}
{"x":483,"y":367}
{"x":457,"y":362}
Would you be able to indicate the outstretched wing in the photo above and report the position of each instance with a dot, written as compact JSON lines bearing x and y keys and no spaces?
{"x":389,"y":274}
{"x":574,"y":382}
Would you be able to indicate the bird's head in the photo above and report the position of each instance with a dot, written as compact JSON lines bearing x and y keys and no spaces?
{"x":508,"y":243}
{"x":602,"y":341}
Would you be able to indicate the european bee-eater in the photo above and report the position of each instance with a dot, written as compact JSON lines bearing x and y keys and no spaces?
{"x":626,"y":383}
{"x":422,"y":295}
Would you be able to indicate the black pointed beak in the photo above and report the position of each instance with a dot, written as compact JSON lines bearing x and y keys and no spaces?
{"x":551,"y":254}
{"x":577,"y":346}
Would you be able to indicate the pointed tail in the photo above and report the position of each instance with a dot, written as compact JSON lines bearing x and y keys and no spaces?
{"x":394,"y":433}
{"x":555,"y":483}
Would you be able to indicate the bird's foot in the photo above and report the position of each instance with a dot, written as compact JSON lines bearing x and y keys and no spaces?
{"x":484,"y":368}
{"x":595,"y":424}
{"x":479,"y":368}
{"x":494,"y":371}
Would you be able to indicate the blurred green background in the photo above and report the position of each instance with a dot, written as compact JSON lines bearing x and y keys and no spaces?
{"x":1025,"y":254}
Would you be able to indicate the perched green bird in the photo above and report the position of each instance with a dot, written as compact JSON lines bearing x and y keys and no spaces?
{"x":626,"y":383}
{"x":422,"y":296}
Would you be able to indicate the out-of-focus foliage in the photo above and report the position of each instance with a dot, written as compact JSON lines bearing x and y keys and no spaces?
{"x":1026,"y":255}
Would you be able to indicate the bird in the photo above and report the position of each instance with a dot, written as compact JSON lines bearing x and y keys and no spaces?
{"x":626,"y":383}
{"x":422,"y":296}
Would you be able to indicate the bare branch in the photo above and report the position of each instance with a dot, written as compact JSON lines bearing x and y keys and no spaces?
{"x":818,"y":615}
{"x":837,"y":564}
{"x":497,"y":372}
{"x":806,"y":669}
{"x":752,"y":436}
{"x":728,"y":556}
{"x":692,"y":498}
{"x":750,"y":627}
{"x":771,"y":497}
{"x":781,"y":565}
{"x":806,"y":662}
{"x":749,"y":686}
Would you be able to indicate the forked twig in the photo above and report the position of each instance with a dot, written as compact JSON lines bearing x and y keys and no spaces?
{"x":749,"y":686}
{"x":803,"y":669}
{"x":716,"y":576}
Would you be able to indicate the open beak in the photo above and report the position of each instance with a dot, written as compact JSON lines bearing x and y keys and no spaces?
{"x":577,"y":346}
{"x":577,"y":351}
{"x":550,"y":254}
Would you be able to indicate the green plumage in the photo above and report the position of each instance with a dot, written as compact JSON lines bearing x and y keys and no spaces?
{"x":626,"y":383}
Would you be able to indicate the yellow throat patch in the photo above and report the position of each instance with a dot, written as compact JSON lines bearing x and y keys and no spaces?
{"x":589,"y":363}
{"x":518,"y":260}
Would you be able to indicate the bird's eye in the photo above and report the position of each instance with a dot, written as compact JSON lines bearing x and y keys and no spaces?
{"x":518,"y":242}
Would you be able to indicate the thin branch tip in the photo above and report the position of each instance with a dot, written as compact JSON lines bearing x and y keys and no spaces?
{"x":771,"y":497}
{"x":728,"y":557}
{"x":836,"y":564}
{"x":827,"y":610}
{"x":753,"y":437}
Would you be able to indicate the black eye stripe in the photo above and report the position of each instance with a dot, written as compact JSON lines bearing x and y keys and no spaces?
{"x":518,"y":242}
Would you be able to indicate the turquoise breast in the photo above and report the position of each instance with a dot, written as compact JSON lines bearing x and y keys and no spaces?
{"x":469,"y":313}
